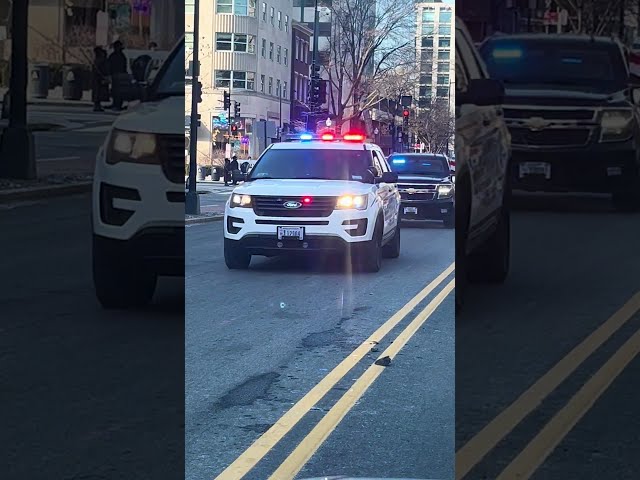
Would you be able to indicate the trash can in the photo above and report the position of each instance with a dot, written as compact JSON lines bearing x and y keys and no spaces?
{"x":201,"y":173}
{"x":39,"y":80}
{"x":72,"y":82}
{"x":215,"y":176}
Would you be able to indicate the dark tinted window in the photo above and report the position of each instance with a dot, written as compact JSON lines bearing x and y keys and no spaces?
{"x":313,"y":164}
{"x":419,"y":164}
{"x":599,"y":66}
{"x":170,"y":79}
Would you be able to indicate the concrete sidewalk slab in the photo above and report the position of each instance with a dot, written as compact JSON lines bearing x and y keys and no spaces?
{"x":205,"y":218}
{"x":44,"y":191}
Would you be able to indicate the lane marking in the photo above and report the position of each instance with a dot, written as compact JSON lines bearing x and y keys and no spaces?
{"x":250,"y":457}
{"x":496,"y":430}
{"x":536,"y":452}
{"x":57,"y":159}
{"x":310,"y":444}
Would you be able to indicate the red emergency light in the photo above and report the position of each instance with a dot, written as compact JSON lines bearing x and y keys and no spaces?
{"x":327,"y":136}
{"x":306,"y":200}
{"x":354,"y":137}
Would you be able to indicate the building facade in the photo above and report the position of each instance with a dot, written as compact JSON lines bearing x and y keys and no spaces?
{"x":300,"y":63}
{"x":435,"y":43}
{"x":245,"y":49}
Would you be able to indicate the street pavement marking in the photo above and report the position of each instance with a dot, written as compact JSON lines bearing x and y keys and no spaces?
{"x":310,"y":444}
{"x":536,"y":452}
{"x":496,"y":430}
{"x":250,"y":457}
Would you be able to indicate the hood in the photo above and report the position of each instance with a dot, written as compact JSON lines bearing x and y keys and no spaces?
{"x":563,"y":97}
{"x":162,"y":117}
{"x":294,"y":188}
{"x":423,"y":178}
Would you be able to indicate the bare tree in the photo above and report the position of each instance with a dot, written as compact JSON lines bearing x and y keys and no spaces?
{"x":434,"y":126}
{"x":371,"y":41}
{"x":595,"y":17}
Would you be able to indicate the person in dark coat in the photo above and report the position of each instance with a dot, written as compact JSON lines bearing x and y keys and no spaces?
{"x":118,"y":71}
{"x":235,"y":169}
{"x":99,"y":79}
{"x":227,"y":171}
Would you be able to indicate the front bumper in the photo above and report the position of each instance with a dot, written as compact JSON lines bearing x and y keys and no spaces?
{"x":600,"y":169}
{"x":269,"y":245}
{"x":438,"y":209}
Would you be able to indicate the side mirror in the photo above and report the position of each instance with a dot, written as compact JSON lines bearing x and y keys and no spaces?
{"x":368,"y":177}
{"x":482,"y":92}
{"x":453,"y":179}
{"x":635,"y":95}
{"x":390,"y":177}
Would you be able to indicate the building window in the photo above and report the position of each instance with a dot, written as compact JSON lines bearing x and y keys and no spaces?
{"x":424,"y":91}
{"x":445,"y":17}
{"x":264,"y":48}
{"x":237,"y":7}
{"x":237,"y":42}
{"x":427,"y":42}
{"x":444,"y":29}
{"x":264,"y":12}
{"x":444,"y":42}
{"x":272,"y":15}
{"x":428,"y":15}
{"x":442,"y":92}
{"x":286,"y":23}
{"x":284,"y":90}
{"x":188,"y":41}
{"x":270,"y":85}
{"x":280,"y":20}
{"x":428,"y":28}
{"x":279,"y":54}
{"x":443,"y":79}
{"x":270,"y":50}
{"x":286,"y":57}
{"x":189,"y":7}
{"x":278,"y":91}
{"x":298,"y":41}
{"x":238,"y":80}
{"x":444,"y":55}
{"x":262,"y":83}
{"x":443,"y":67}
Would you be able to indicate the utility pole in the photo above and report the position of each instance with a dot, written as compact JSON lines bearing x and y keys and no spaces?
{"x":314,"y":63}
{"x":192,"y":202}
{"x":17,"y":157}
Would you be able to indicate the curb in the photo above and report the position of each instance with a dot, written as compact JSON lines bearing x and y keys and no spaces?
{"x":197,"y":221}
{"x":45,"y":191}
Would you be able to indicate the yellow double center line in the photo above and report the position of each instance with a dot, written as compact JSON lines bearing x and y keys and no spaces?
{"x":250,"y":457}
{"x":545,"y":442}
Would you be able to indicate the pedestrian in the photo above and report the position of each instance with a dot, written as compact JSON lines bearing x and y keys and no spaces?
{"x":118,"y":70}
{"x":227,"y":171}
{"x":235,"y":169}
{"x":99,"y":79}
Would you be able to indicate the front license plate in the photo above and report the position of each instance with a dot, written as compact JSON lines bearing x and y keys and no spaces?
{"x":535,"y":168}
{"x":613,"y":171}
{"x":413,"y":210}
{"x":290,"y":232}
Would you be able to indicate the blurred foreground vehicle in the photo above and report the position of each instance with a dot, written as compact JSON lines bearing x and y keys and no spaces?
{"x":572,"y":113}
{"x":483,"y":232}
{"x":138,"y":193}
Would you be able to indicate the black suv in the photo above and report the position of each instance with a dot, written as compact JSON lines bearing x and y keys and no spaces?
{"x":426,"y":187}
{"x":571,"y":111}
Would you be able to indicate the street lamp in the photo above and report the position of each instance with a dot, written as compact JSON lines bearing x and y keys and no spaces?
{"x":192,"y":201}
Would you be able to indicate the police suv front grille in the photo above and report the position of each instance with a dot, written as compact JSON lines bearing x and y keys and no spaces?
{"x":417,"y":196}
{"x":553,"y":137}
{"x":171,"y":151}
{"x":567,"y":115}
{"x":273,"y":206}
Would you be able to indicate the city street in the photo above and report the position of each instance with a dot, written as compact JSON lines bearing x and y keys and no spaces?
{"x":262,"y":346}
{"x":99,"y":384}
{"x":574,"y":269}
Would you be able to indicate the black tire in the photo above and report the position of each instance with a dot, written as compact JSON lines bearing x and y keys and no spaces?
{"x":236,"y":258}
{"x":120,"y":280}
{"x":372,"y":254}
{"x":491,"y":263}
{"x":392,"y":249}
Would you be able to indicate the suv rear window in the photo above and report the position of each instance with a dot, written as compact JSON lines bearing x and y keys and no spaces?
{"x":312,"y":164}
{"x":419,"y":164}
{"x":559,"y":63}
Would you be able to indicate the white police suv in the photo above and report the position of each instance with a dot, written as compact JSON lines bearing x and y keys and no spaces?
{"x":317,"y":194}
{"x":138,"y":193}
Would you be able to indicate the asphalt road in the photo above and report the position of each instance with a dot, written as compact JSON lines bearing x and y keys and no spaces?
{"x":94,"y":394}
{"x":574,"y":265}
{"x":258,"y":341}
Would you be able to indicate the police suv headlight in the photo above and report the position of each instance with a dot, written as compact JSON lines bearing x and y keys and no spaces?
{"x":238,"y":200}
{"x":352,"y":202}
{"x":132,"y":147}
{"x":445,"y":191}
{"x":616,"y":125}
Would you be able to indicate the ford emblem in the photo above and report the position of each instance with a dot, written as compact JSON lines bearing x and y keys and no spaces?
{"x":292,"y":204}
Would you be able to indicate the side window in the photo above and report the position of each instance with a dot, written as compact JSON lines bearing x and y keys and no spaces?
{"x":470,"y":61}
{"x":376,"y":163}
{"x":383,"y":162}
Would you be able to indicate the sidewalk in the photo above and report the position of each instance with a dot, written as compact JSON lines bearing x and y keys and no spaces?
{"x":55,"y":98}
{"x":43,"y":187}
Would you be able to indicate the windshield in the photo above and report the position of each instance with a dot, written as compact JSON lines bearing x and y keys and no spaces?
{"x":598,"y":67}
{"x":419,"y":165}
{"x":170,"y":79}
{"x":312,"y":164}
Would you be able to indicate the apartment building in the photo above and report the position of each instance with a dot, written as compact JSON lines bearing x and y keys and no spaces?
{"x":435,"y":43}
{"x":245,"y":49}
{"x":300,"y":72}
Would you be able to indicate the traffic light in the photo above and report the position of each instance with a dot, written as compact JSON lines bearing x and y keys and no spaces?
{"x":322,"y":94}
{"x":236,"y":110}
{"x":314,"y":91}
{"x":234,"y":128}
{"x":405,"y":117}
{"x":199,"y":120}
{"x":197,"y":91}
{"x":227,"y":100}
